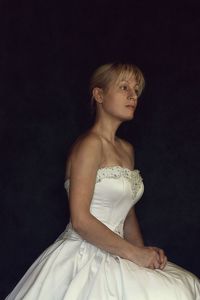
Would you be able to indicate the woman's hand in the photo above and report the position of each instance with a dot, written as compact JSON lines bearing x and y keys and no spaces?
{"x":162,"y":257}
{"x":150,"y":257}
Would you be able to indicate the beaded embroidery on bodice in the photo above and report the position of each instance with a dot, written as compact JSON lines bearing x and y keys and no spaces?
{"x":133,"y":176}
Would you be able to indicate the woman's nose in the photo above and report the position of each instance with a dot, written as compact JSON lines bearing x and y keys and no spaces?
{"x":132,"y":96}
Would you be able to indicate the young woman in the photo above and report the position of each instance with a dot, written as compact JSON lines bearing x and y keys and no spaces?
{"x":101,"y":254}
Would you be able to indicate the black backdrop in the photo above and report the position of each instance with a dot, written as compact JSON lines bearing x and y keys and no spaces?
{"x":48,"y":51}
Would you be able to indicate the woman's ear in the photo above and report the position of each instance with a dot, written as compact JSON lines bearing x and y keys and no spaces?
{"x":97,"y":94}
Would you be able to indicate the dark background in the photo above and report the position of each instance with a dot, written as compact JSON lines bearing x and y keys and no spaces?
{"x":48,"y":52}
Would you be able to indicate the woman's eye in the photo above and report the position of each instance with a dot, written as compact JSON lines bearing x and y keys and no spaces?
{"x":124,"y":87}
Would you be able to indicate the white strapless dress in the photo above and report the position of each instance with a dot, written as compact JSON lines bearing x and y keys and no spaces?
{"x":73,"y":269}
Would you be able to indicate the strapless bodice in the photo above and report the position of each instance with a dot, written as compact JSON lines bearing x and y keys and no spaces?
{"x":116,"y":190}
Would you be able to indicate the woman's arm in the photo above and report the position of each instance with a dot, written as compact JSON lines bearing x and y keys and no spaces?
{"x":132,"y":232}
{"x":85,"y":161}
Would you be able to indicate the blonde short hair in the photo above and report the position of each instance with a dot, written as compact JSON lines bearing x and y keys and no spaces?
{"x":106,"y":74}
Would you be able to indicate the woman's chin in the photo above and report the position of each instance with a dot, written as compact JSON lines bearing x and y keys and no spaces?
{"x":130,"y":116}
{"x":127,"y":118}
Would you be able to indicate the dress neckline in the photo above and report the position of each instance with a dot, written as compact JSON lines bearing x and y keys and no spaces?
{"x":112,"y":167}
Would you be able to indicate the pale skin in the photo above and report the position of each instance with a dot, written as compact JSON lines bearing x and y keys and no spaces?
{"x":97,"y":148}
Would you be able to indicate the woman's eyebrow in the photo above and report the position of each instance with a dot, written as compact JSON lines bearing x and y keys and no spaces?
{"x":124,"y":80}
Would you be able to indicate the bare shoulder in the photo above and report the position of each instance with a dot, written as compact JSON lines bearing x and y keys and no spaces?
{"x":89,"y":141}
{"x":87,"y":146}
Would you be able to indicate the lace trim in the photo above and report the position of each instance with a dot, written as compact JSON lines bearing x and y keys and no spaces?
{"x":133,"y":176}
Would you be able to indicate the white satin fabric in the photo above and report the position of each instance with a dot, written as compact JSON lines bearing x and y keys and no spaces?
{"x":73,"y":269}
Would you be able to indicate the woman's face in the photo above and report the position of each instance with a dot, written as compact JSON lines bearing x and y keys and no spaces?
{"x":120,"y":99}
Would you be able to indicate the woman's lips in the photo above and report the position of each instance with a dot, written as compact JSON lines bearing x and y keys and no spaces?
{"x":130,"y":107}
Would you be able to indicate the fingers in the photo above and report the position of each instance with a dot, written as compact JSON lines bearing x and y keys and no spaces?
{"x":156,"y":265}
{"x":164,"y":263}
{"x":163,"y":259}
{"x":155,"y":262}
{"x":151,"y":266}
{"x":160,"y":260}
{"x":161,"y":255}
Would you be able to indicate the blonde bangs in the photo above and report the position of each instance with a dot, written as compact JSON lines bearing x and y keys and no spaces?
{"x":127,"y":71}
